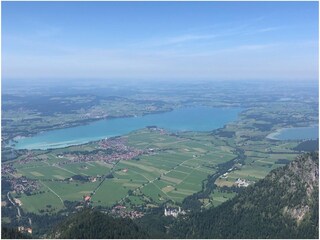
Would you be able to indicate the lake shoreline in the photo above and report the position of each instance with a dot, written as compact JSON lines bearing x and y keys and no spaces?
{"x":78,"y":123}
{"x":200,"y":118}
{"x":277,"y":134}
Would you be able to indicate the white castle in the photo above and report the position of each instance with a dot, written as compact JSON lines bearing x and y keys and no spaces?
{"x":173,"y":212}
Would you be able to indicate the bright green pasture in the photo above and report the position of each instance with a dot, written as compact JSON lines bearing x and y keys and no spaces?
{"x":45,"y":172}
{"x":130,"y":175}
{"x":110,"y":192}
{"x":152,"y":191}
{"x":88,"y":169}
{"x":72,"y":191}
{"x":34,"y":203}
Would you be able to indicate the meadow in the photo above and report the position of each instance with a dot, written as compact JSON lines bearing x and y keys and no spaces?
{"x":175,"y":167}
{"x":175,"y":170}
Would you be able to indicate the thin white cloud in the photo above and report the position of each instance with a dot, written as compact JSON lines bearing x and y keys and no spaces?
{"x":159,"y":57}
{"x":269,"y":29}
{"x":244,"y":61}
{"x":195,"y":36}
{"x":185,"y":38}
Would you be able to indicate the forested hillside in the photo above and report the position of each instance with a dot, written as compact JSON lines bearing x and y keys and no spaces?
{"x":12,"y":233}
{"x":91,"y":224}
{"x":283,"y":205}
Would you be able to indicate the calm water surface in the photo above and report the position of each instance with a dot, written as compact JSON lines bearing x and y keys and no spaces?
{"x":185,"y":119}
{"x":299,"y":133}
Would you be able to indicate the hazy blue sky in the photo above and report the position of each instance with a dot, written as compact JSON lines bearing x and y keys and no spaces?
{"x":160,"y":40}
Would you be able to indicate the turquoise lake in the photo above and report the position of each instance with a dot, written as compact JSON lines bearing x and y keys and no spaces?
{"x":184,"y":119}
{"x":299,"y":133}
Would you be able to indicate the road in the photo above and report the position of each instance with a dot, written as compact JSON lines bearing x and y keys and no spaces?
{"x":18,"y":209}
{"x":52,"y":191}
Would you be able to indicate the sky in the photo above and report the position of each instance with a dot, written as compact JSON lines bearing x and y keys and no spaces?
{"x":160,"y":40}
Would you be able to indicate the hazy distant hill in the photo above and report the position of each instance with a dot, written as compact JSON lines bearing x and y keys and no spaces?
{"x":283,"y":205}
{"x":308,"y":146}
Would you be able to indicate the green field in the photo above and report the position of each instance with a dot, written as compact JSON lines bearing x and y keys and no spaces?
{"x":176,"y":168}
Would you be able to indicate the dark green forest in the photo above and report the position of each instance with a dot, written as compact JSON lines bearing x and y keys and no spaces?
{"x":12,"y":233}
{"x":91,"y":224}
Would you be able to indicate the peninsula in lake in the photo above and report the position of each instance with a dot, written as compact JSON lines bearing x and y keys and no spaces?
{"x":159,"y":120}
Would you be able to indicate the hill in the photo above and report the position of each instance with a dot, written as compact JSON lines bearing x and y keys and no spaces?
{"x":91,"y":224}
{"x":308,"y":146}
{"x":282,"y":205}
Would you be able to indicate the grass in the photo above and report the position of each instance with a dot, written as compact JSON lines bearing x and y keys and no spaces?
{"x":219,"y":197}
{"x":152,"y":191}
{"x":177,"y":174}
{"x":181,"y":165}
{"x":109,"y":193}
{"x":70,"y":190}
{"x":88,"y":169}
{"x":44,"y":172}
{"x":35,"y":203}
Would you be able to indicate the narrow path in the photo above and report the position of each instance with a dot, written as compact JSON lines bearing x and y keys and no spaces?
{"x":52,"y":192}
{"x":104,"y":178}
{"x":10,"y":199}
{"x":18,"y":209}
{"x":90,"y":164}
{"x":64,"y":169}
{"x":207,"y":204}
{"x":19,"y":214}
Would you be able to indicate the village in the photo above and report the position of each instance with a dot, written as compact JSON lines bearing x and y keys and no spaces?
{"x":108,"y":151}
{"x":23,"y":185}
{"x":118,"y":210}
{"x":121,"y":211}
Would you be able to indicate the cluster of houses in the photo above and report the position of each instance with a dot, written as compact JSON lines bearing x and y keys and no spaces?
{"x":162,"y":131}
{"x":30,"y":157}
{"x":173,"y":212}
{"x":242,"y":182}
{"x":24,"y":185}
{"x":83,"y":178}
{"x":86,"y":200}
{"x":113,"y":143}
{"x":120,"y":210}
{"x":17,"y":201}
{"x":7,"y":169}
{"x":94,"y":114}
{"x":119,"y":151}
{"x":23,"y":229}
{"x":239,"y":182}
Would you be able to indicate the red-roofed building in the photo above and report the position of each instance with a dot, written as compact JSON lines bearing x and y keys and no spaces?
{"x":87,"y":198}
